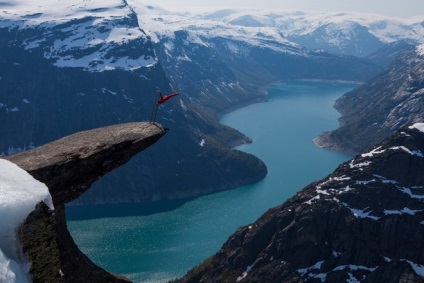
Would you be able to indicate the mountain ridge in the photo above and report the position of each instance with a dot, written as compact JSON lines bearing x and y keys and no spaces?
{"x":357,"y":34}
{"x":384,"y":104}
{"x":363,"y":222}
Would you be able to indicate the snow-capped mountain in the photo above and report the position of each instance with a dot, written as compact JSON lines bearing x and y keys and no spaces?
{"x":356,"y":34}
{"x":95,"y":35}
{"x":92,"y":34}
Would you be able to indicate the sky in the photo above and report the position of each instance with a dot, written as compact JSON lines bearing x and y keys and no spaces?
{"x":393,"y":8}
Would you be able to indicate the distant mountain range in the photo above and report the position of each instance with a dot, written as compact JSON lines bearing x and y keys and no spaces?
{"x":71,"y":66}
{"x":341,"y":33}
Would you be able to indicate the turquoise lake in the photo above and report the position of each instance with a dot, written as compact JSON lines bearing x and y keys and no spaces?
{"x":150,"y":246}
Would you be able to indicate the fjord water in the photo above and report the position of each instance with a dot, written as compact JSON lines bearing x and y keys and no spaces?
{"x":157,"y":242}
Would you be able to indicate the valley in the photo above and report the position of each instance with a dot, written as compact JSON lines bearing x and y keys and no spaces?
{"x":254,"y":124}
{"x":167,"y":242}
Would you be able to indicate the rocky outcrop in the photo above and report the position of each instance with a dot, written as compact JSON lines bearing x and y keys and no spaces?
{"x":68,"y":167}
{"x":381,"y":106}
{"x":364,"y":222}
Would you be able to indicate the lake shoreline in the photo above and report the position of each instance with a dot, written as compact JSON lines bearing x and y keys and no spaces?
{"x":321,"y":141}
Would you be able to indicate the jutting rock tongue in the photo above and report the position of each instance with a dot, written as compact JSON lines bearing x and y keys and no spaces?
{"x":68,"y":167}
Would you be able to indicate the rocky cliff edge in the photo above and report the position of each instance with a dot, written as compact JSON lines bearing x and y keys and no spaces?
{"x":68,"y":167}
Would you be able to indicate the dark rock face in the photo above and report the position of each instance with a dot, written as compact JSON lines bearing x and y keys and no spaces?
{"x":45,"y":261}
{"x":364,"y":222}
{"x":378,"y":108}
{"x":68,"y":167}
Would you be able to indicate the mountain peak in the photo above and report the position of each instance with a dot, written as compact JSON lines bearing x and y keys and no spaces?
{"x":91,"y":34}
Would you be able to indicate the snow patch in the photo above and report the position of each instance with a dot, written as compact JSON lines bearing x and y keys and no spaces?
{"x":409,"y":192}
{"x":342,"y":178}
{"x":385,"y":180}
{"x":105,"y":90}
{"x":387,"y":259}
{"x":309,"y":271}
{"x":316,"y":266}
{"x":413,"y":152}
{"x":410,"y":211}
{"x":405,"y":210}
{"x":19,"y":194}
{"x":355,"y":267}
{"x":315,"y":198}
{"x":202,"y":143}
{"x":419,"y":126}
{"x":420,"y":51}
{"x":373,"y":152}
{"x":97,"y":62}
{"x":323,"y":192}
{"x":365,"y":182}
{"x":360,"y":213}
{"x":359,"y":165}
{"x":338,"y":179}
{"x":245,"y":273}
{"x":418,"y":268}
{"x":344,"y":190}
{"x":336,"y":254}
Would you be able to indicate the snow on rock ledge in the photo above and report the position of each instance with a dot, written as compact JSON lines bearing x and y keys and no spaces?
{"x":419,"y":126}
{"x":19,"y":194}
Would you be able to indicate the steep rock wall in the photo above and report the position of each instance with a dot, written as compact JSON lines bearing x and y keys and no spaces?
{"x":364,"y":222}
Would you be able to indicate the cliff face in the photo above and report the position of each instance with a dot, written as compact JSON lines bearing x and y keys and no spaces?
{"x":376,"y":109}
{"x":68,"y":167}
{"x":364,"y":222}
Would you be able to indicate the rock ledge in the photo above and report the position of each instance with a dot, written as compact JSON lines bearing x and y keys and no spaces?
{"x":68,"y":167}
